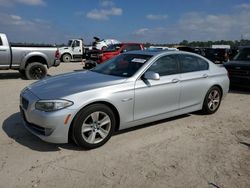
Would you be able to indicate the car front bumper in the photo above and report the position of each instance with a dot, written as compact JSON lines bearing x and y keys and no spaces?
{"x":48,"y":126}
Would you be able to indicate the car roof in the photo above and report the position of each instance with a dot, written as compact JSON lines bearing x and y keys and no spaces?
{"x":157,"y":52}
{"x":163,"y":52}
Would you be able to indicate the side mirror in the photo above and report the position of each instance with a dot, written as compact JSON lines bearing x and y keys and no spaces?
{"x":150,"y":75}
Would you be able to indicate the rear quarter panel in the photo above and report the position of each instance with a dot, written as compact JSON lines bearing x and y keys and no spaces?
{"x":219,"y":76}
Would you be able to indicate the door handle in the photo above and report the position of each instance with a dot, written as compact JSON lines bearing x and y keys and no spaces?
{"x":126,"y":99}
{"x":204,"y":76}
{"x":2,"y":50}
{"x":175,"y":80}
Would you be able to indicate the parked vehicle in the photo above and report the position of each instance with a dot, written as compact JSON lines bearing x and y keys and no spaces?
{"x":199,"y":51}
{"x":31,"y":62}
{"x":239,"y":68}
{"x":217,"y":55}
{"x":161,"y":48}
{"x":98,"y":57}
{"x":129,"y":90}
{"x":73,"y":51}
{"x":99,"y":44}
{"x":186,"y":49}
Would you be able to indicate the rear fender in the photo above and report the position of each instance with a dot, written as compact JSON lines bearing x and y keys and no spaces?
{"x":34,"y":57}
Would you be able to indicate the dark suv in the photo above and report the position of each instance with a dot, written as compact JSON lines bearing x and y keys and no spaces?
{"x":217,"y":55}
{"x":239,"y":68}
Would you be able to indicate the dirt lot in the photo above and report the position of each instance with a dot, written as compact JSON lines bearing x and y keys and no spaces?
{"x":188,"y":151}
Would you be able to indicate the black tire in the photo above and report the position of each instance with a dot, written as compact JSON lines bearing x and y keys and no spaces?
{"x":212,"y":100}
{"x":22,"y":72}
{"x":35,"y":71}
{"x":84,"y":120}
{"x":90,"y":65}
{"x":66,"y":58}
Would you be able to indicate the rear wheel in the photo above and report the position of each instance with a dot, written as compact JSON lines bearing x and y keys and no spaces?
{"x":35,"y":71}
{"x":66,"y":58}
{"x":212,"y":100}
{"x":94,"y":126}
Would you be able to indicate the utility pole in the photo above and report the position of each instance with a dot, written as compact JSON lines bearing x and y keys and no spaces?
{"x":241,"y":39}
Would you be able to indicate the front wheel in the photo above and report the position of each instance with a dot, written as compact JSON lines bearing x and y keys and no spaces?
{"x":35,"y":71}
{"x":93,"y":126}
{"x":66,"y":58}
{"x":90,"y":65}
{"x":212,"y":100}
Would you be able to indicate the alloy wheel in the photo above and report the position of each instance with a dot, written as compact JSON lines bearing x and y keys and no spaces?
{"x":37,"y":72}
{"x":96,"y":127}
{"x":213,"y":100}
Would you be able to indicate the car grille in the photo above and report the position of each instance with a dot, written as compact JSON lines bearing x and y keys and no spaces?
{"x":25,"y":103}
{"x":239,"y":72}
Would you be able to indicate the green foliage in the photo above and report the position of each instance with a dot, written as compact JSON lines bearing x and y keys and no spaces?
{"x":208,"y":44}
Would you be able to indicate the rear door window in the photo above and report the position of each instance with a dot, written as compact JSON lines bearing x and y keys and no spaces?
{"x":1,"y":42}
{"x":190,"y":63}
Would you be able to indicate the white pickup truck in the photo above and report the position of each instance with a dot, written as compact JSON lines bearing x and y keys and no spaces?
{"x":31,"y":62}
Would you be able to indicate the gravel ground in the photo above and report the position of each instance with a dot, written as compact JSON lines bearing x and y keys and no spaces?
{"x":192,"y":150}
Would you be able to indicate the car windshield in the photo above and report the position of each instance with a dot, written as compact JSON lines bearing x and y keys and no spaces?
{"x":113,"y":47}
{"x":243,"y":55}
{"x":125,"y":65}
{"x":70,"y":43}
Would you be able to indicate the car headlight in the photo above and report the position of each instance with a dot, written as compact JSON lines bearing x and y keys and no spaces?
{"x":52,"y":105}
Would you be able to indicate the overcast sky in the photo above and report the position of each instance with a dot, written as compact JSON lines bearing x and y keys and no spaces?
{"x":156,"y":21}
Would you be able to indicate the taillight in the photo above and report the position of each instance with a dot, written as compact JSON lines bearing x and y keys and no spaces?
{"x":57,"y":54}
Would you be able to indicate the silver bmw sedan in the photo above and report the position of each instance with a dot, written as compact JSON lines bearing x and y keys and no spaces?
{"x":129,"y":90}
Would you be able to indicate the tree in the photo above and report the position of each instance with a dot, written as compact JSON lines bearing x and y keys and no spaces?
{"x":184,"y":43}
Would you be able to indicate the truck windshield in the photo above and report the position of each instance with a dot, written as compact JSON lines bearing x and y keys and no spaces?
{"x":113,"y":47}
{"x":70,"y":43}
{"x":125,"y":65}
{"x":243,"y":55}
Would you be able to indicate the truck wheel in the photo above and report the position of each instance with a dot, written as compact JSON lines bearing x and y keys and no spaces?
{"x":35,"y":71}
{"x":90,"y":65}
{"x":66,"y":58}
{"x":22,"y":72}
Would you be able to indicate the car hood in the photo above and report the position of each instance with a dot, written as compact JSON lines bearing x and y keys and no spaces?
{"x":57,"y":87}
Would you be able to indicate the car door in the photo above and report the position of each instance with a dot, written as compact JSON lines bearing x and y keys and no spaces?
{"x":155,"y":97}
{"x":4,"y":55}
{"x":77,"y":49}
{"x":194,"y":80}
